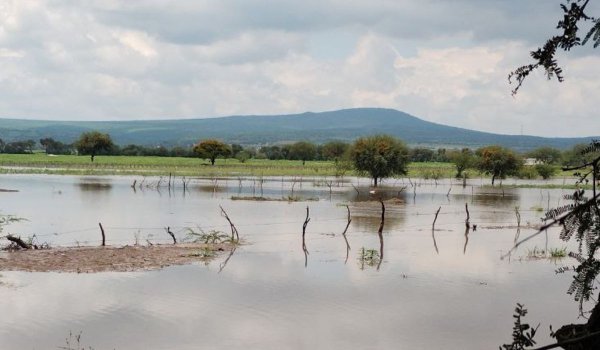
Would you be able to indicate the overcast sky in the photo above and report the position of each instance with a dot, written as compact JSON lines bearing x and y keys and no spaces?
{"x":442,"y":61}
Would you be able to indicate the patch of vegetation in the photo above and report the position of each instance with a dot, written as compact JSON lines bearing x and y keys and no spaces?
{"x":203,"y":253}
{"x":368,"y":257}
{"x":210,"y":237}
{"x":552,"y":253}
{"x":558,"y":252}
{"x":73,"y":342}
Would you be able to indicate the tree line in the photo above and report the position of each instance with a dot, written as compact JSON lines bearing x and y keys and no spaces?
{"x":378,"y":156}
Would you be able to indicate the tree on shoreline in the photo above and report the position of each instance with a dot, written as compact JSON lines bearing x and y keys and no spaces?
{"x":462,"y":159}
{"x":211,"y":149}
{"x":379,"y":156}
{"x":93,"y":142}
{"x":498,"y":162}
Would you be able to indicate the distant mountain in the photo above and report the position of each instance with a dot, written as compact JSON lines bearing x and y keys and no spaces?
{"x":347,"y":125}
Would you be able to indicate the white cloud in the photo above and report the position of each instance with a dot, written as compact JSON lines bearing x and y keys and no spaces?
{"x":146,"y":60}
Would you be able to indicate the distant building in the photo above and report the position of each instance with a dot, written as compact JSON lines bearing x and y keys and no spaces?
{"x":532,"y":161}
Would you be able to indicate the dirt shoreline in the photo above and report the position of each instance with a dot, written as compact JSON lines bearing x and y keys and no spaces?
{"x":110,"y":259}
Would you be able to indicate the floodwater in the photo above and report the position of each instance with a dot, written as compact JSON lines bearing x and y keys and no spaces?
{"x":455,"y":294}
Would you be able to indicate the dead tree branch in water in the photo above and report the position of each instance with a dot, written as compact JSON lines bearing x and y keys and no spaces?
{"x":380,"y":231}
{"x":344,"y":235}
{"x":168,"y":229}
{"x":103,"y":235}
{"x":235,"y":237}
{"x":467,"y":223}
{"x":380,"y":234}
{"x":433,"y":230}
{"x":19,"y":242}
{"x":304,"y":249}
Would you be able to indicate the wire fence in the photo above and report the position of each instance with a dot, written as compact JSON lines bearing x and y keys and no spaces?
{"x":158,"y":234}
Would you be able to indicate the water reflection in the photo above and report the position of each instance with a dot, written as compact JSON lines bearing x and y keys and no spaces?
{"x":94,"y":185}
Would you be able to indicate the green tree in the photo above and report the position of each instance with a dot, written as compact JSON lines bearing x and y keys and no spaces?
{"x":235,"y":149}
{"x":577,"y":155}
{"x":421,"y":154}
{"x":379,"y":156}
{"x":546,"y":171}
{"x":19,"y":147}
{"x":242,"y":156}
{"x":334,"y":150}
{"x":303,"y":151}
{"x":546,"y":155}
{"x":462,"y":160}
{"x":51,"y":146}
{"x":498,"y":162}
{"x":211,"y":149}
{"x":93,"y":142}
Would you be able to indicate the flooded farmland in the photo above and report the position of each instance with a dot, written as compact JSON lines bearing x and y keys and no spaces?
{"x":410,"y":288}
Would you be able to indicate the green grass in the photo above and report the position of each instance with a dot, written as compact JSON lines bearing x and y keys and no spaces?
{"x":40,"y":163}
{"x":132,"y":165}
{"x":553,"y":253}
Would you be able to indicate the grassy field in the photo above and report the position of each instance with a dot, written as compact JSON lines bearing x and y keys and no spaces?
{"x":40,"y":163}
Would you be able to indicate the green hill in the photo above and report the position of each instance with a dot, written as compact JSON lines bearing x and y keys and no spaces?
{"x":346,"y":124}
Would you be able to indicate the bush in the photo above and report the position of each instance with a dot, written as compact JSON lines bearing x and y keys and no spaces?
{"x":546,"y":171}
{"x":527,"y":172}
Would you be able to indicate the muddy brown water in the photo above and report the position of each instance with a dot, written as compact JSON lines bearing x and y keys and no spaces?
{"x":456,"y":298}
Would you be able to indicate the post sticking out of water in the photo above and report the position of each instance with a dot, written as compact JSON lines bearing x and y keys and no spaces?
{"x":103,"y":236}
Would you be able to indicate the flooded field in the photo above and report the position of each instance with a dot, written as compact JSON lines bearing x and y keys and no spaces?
{"x":445,"y":289}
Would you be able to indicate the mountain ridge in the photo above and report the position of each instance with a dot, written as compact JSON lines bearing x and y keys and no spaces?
{"x":345,"y":125}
